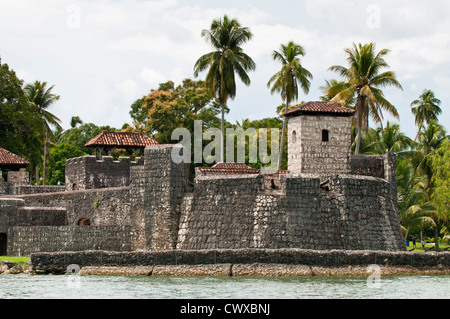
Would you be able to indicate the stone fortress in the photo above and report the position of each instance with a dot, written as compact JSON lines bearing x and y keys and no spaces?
{"x":328,"y":199}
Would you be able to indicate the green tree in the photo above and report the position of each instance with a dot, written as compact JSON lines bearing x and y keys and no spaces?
{"x":413,"y":201}
{"x":80,"y":135}
{"x":18,"y":120}
{"x":385,"y":140}
{"x":58,"y":156}
{"x":170,"y":107}
{"x":74,"y":121}
{"x":426,"y":108}
{"x":329,"y":94}
{"x":363,"y":81}
{"x":288,"y":80}
{"x":439,"y":162}
{"x":430,"y":139}
{"x":42,"y":97}
{"x":267,"y":123}
{"x":228,"y":58}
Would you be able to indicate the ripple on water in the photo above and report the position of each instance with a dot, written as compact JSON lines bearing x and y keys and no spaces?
{"x":116,"y":287}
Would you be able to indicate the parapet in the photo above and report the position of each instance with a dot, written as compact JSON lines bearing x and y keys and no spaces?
{"x":87,"y":172}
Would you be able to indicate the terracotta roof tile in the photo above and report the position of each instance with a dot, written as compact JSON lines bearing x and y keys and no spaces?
{"x":121,"y":139}
{"x":230,"y":168}
{"x":238,"y":168}
{"x":8,"y":158}
{"x":320,"y":107}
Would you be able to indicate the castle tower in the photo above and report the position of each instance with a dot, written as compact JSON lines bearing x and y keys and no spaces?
{"x":319,"y":138}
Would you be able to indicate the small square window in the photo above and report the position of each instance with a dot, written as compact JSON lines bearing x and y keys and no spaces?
{"x":325,"y":135}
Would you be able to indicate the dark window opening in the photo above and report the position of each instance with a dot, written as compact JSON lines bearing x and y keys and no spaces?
{"x":3,"y":245}
{"x":325,"y":136}
{"x":272,"y":184}
{"x":84,"y":222}
{"x":325,"y":186}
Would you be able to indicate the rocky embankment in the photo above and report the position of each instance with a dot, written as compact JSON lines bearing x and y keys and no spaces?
{"x":9,"y":267}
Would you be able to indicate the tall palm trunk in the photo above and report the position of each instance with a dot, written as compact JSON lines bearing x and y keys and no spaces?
{"x":283,"y":133}
{"x":44,"y":171}
{"x":436,"y":237}
{"x":359,"y":119}
{"x":222,"y":134}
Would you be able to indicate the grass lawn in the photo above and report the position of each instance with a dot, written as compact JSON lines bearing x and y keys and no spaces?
{"x":15,"y":259}
{"x":419,"y":248}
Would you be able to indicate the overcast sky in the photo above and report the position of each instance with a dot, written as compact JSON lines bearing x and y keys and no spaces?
{"x":103,"y":55}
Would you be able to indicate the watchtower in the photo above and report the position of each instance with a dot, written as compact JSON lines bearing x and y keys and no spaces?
{"x":319,"y":138}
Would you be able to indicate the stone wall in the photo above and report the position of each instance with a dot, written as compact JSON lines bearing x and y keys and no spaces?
{"x":7,"y":188}
{"x":103,"y":207}
{"x":307,"y":153}
{"x":320,"y":211}
{"x":31,"y":189}
{"x":167,"y":184}
{"x":23,"y":241}
{"x":20,"y":177}
{"x":156,"y":194}
{"x":367,"y":165}
{"x":59,"y":261}
{"x":8,"y":212}
{"x":87,"y":172}
{"x":40,"y":216}
{"x":220,"y":213}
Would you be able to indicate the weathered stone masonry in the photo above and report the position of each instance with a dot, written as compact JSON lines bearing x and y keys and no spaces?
{"x":328,"y":199}
{"x":227,"y":261}
{"x":234,"y":213}
{"x":89,"y":173}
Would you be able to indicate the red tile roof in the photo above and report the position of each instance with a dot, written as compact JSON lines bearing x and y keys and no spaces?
{"x":316,"y":107}
{"x":10,"y":159}
{"x":238,"y":168}
{"x":230,"y":168}
{"x":121,"y":139}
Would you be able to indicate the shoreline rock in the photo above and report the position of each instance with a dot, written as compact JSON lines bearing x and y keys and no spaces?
{"x":257,"y":270}
{"x":9,"y":267}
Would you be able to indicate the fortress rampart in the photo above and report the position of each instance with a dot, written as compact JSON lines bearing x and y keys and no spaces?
{"x":327,"y":200}
{"x":159,"y":211}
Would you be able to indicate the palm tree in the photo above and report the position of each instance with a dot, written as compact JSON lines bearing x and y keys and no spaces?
{"x":385,"y":140}
{"x":288,"y":80}
{"x":42,"y":97}
{"x":363,"y":81}
{"x":413,"y":201}
{"x":226,"y":37}
{"x":74,"y":121}
{"x":328,"y":94}
{"x":426,"y":108}
{"x":393,"y":140}
{"x":430,"y":139}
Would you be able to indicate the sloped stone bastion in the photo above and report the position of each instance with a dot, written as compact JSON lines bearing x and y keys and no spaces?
{"x":327,"y":200}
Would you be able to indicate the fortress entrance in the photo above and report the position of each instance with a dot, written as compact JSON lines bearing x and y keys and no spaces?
{"x":3,"y":244}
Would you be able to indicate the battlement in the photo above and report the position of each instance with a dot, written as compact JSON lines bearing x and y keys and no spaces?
{"x":87,"y":172}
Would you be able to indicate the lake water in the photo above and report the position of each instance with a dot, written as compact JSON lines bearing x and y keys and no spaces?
{"x":116,"y":287}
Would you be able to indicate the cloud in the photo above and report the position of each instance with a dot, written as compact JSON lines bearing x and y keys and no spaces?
{"x":129,"y":88}
{"x":152,"y":77}
{"x":120,"y":50}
